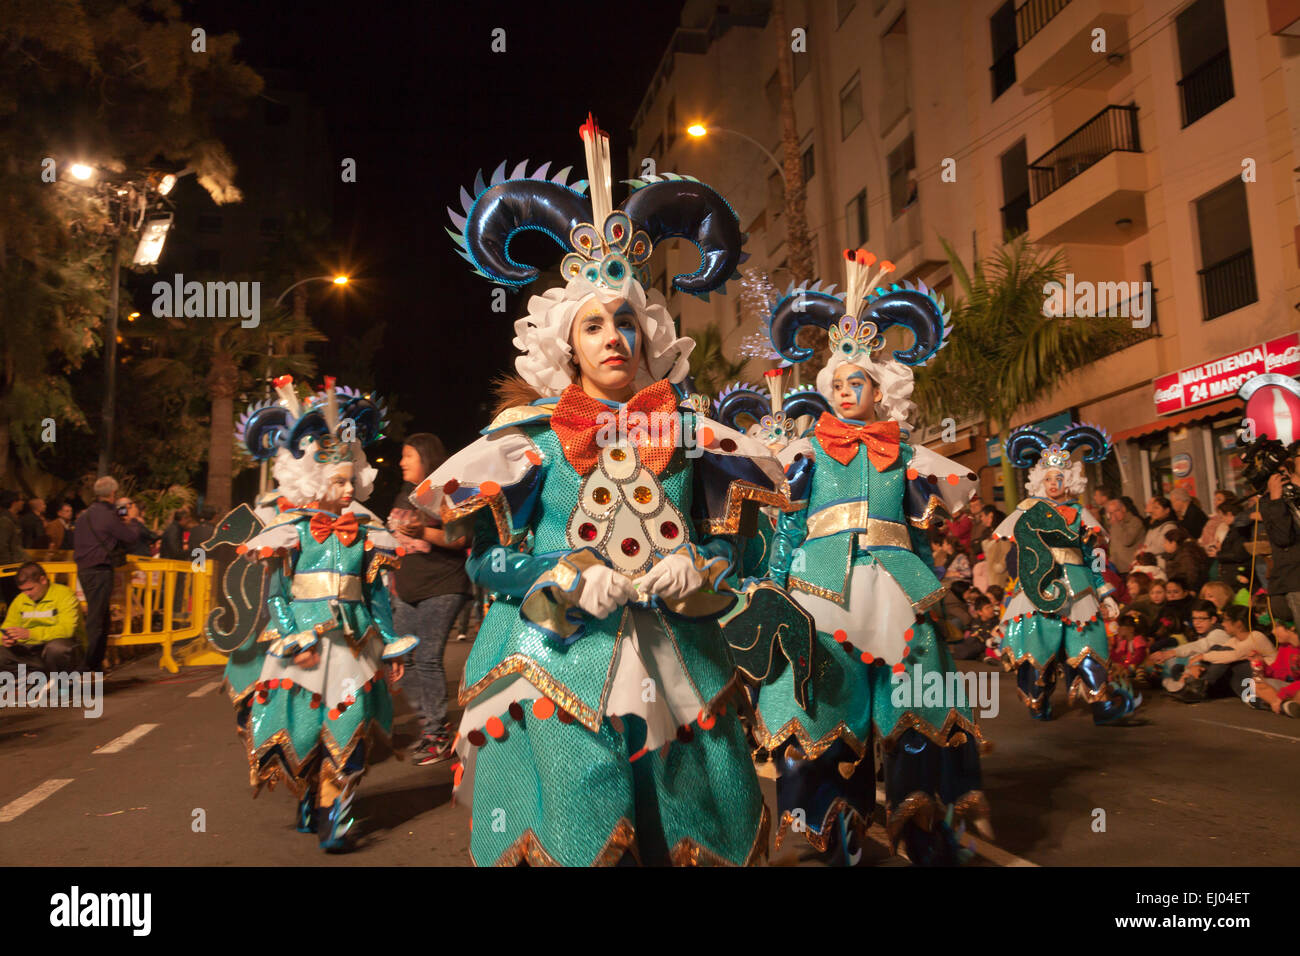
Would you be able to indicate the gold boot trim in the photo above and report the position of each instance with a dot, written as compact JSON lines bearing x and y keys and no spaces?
{"x":689,"y":852}
{"x":820,"y":842}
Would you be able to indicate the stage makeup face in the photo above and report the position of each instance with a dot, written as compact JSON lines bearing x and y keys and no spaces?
{"x":338,"y":490}
{"x":606,"y":342}
{"x":854,"y":394}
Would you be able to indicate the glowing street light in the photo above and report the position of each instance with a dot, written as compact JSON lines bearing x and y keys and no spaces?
{"x":697,"y":130}
{"x":81,"y":171}
{"x":340,"y":280}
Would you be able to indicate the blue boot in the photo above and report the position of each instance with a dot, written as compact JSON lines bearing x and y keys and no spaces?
{"x":337,"y":821}
{"x":307,"y":816}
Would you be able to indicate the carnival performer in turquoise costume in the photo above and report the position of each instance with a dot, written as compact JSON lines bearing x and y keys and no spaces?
{"x":1053,"y":622}
{"x":599,"y":723}
{"x":855,"y":556}
{"x":309,"y":687}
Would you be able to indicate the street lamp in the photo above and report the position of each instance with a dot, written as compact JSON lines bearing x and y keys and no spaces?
{"x":699,"y":131}
{"x":338,"y":279}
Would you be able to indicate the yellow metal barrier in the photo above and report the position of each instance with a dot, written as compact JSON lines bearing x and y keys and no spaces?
{"x":145,"y":591}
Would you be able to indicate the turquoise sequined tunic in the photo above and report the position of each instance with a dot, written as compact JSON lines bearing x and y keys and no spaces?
{"x":293,"y":717}
{"x":587,"y":738}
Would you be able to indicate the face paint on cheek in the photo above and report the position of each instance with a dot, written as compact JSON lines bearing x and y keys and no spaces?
{"x":856,"y":384}
{"x":630,"y":337}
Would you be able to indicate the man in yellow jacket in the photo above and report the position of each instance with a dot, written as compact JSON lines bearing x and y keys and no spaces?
{"x":44,"y":628}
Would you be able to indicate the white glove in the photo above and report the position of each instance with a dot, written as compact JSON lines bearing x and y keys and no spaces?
{"x":674,"y":578}
{"x":601,"y":590}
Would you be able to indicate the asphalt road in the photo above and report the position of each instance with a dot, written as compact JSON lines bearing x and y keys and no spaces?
{"x":1208,"y":784}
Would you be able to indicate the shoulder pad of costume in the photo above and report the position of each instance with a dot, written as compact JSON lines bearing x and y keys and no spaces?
{"x":532,"y":414}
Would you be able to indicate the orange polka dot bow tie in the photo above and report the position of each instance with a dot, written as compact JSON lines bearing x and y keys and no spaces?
{"x":583,"y":424}
{"x":344,"y":526}
{"x":840,"y":440}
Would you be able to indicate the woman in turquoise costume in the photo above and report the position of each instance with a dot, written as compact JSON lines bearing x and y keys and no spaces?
{"x":599,"y":723}
{"x":1053,"y":619}
{"x":309,"y":687}
{"x":856,"y":557}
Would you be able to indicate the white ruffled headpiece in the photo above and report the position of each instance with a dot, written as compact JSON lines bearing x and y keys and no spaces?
{"x":547,"y":362}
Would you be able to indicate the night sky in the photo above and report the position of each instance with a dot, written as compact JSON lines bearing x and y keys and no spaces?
{"x":418,"y":98}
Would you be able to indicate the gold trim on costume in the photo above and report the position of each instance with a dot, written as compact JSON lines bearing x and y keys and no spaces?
{"x":528,"y":848}
{"x":738,"y":492}
{"x":688,"y":852}
{"x":316,"y":585}
{"x":454,"y":514}
{"x":520,"y":413}
{"x":812,"y":748}
{"x":820,"y":841}
{"x":538,"y":676}
{"x":949,"y":735}
{"x":379,"y":561}
{"x":552,"y":594}
{"x":926,"y":517}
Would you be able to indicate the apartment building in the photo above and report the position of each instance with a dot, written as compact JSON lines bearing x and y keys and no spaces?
{"x":1152,"y":141}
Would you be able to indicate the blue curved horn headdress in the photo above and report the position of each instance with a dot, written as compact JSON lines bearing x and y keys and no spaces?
{"x":1027,"y":446}
{"x":856,"y":321}
{"x":331,"y":420}
{"x":741,"y":406}
{"x":607,"y":246}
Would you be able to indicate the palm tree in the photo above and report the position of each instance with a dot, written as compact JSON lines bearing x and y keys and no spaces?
{"x":796,"y":221}
{"x":1005,"y":353}
{"x":711,"y":370}
{"x":235,"y":359}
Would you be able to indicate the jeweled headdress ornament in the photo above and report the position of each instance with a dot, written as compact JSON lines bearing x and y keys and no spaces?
{"x":856,"y":321}
{"x":606,"y":246}
{"x":1027,"y":446}
{"x":327,"y":425}
{"x":770,"y":418}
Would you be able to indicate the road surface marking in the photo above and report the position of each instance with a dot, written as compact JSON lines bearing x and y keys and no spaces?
{"x":206,"y":688}
{"x":11,"y":811}
{"x":1250,"y":730}
{"x":126,"y":740}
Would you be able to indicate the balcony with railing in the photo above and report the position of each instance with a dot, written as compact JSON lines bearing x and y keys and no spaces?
{"x":1090,"y":187}
{"x":1206,"y":88}
{"x":1056,"y":43}
{"x":1229,"y":284}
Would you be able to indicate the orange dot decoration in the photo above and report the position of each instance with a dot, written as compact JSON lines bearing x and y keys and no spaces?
{"x":908,"y":634}
{"x":706,"y":436}
{"x":459,"y":775}
{"x":953,"y":479}
{"x":543,"y":708}
{"x":867,"y":658}
{"x":495,"y":728}
{"x":706,"y":721}
{"x":489,"y":488}
{"x":334,"y":713}
{"x":840,"y":635}
{"x":912,"y":474}
{"x":533,"y":457}
{"x":898,"y":668}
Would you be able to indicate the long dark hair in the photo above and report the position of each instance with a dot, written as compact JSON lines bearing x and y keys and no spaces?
{"x":430,"y":449}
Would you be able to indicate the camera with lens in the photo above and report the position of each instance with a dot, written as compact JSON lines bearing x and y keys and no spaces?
{"x":1266,"y":457}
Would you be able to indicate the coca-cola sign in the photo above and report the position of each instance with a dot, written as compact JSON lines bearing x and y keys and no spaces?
{"x":1220,"y":378}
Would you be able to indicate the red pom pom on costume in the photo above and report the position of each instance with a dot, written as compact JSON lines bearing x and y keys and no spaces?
{"x":840,"y":635}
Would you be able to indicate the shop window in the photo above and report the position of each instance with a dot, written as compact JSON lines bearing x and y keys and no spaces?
{"x":1227,"y":459}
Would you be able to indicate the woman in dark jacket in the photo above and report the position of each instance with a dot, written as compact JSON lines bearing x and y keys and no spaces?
{"x":431,"y":586}
{"x":1186,"y":559}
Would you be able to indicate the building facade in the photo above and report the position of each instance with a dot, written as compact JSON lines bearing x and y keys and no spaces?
{"x":1153,"y":142}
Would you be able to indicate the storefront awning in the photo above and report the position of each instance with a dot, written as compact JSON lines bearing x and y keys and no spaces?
{"x":1169,"y":422}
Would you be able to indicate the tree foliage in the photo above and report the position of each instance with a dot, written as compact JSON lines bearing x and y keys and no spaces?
{"x":120,"y":86}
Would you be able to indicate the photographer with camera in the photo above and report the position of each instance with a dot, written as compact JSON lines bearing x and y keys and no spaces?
{"x":99,"y":542}
{"x":1279,"y":509}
